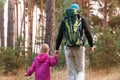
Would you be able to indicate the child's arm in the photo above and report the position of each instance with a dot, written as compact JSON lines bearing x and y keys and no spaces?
{"x":53,"y":61}
{"x":25,"y":74}
{"x":30,"y":70}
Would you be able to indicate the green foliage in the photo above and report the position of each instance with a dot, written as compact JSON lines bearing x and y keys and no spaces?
{"x":2,"y":3}
{"x":59,"y":11}
{"x":95,"y":20}
{"x":61,"y":5}
{"x":107,"y":47}
{"x":67,"y":3}
{"x":117,"y":41}
{"x":115,"y":21}
{"x":30,"y":59}
{"x":10,"y":60}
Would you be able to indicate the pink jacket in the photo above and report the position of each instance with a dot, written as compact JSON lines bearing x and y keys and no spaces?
{"x":41,"y":66}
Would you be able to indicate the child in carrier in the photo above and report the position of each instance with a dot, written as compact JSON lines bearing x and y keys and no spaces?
{"x":42,"y":63}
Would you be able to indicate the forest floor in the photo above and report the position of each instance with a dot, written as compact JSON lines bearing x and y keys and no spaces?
{"x":113,"y":74}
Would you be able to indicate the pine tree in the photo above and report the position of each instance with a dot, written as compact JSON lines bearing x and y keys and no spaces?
{"x":10,"y":29}
{"x":2,"y":26}
{"x":30,"y":24}
{"x":50,"y":23}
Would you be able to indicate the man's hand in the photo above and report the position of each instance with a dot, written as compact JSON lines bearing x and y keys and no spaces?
{"x":57,"y":52}
{"x":91,"y":50}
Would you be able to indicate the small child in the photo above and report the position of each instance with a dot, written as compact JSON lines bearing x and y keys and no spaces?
{"x":41,"y":64}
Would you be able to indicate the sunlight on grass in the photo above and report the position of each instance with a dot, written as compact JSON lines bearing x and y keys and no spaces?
{"x":59,"y":75}
{"x":114,"y":74}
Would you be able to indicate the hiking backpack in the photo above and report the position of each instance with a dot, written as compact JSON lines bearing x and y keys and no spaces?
{"x":73,"y":27}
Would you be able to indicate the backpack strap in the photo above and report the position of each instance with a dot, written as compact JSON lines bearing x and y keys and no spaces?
{"x":79,"y":26}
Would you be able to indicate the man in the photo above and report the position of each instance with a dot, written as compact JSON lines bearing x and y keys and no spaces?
{"x":75,"y":57}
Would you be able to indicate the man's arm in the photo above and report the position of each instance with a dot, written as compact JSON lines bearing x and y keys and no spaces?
{"x":87,"y":32}
{"x":88,"y":35}
{"x":60,"y":35}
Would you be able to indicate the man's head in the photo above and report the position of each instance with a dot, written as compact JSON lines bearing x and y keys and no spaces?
{"x":75,"y":6}
{"x":72,"y":12}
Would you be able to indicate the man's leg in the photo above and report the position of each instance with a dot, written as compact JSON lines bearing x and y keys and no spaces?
{"x":70,"y":64}
{"x":80,"y":62}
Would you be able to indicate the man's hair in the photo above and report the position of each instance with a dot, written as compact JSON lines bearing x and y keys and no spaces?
{"x":44,"y":48}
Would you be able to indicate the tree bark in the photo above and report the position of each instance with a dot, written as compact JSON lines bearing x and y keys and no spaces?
{"x":105,"y":12}
{"x":2,"y":27}
{"x":81,"y":3}
{"x":42,"y":19}
{"x":10,"y":31}
{"x":30,"y":24}
{"x":50,"y":23}
{"x":16,"y":19}
{"x":88,"y":13}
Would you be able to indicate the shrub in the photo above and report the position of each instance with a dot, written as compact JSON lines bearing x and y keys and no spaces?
{"x":10,"y":60}
{"x":107,"y":47}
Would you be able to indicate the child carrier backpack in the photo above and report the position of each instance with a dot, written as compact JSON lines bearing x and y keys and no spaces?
{"x":73,"y":27}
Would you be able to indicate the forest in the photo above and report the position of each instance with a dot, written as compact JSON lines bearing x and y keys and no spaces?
{"x":26,"y":24}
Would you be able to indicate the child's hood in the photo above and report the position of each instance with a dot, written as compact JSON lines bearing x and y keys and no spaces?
{"x":42,"y":57}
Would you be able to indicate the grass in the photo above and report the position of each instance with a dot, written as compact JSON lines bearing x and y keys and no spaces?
{"x":114,"y":74}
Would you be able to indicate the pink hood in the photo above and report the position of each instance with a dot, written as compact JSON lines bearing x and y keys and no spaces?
{"x":42,"y":57}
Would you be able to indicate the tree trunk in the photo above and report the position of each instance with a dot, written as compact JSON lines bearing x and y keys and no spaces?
{"x":105,"y":12}
{"x":2,"y":27}
{"x":30,"y":25}
{"x":81,"y":3}
{"x":88,"y":13}
{"x":16,"y":19}
{"x":10,"y":30}
{"x":50,"y":23}
{"x":42,"y":19}
{"x":17,"y":41}
{"x":23,"y":25}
